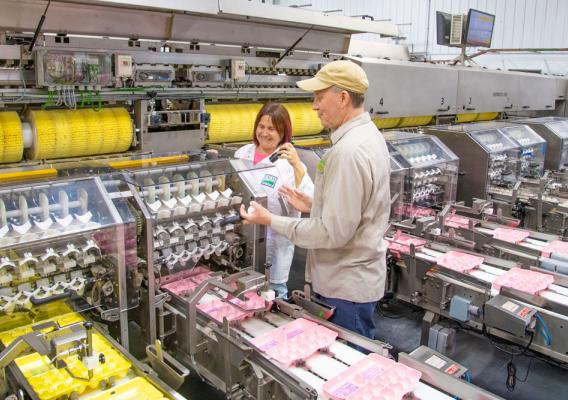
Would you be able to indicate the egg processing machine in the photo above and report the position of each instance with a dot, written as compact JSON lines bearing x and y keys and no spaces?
{"x":504,"y":163}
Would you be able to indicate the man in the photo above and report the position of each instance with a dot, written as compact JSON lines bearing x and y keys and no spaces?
{"x":350,"y":209}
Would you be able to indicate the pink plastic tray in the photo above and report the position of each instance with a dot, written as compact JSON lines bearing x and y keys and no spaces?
{"x":402,"y":242}
{"x":297,"y":340}
{"x":186,"y":286}
{"x":456,"y":221}
{"x":556,"y":246}
{"x":219,"y":309}
{"x":458,"y":261}
{"x":373,"y":378}
{"x":527,"y":281}
{"x":413,"y":211}
{"x":510,"y":235}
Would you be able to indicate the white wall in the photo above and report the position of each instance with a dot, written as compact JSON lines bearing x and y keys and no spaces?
{"x":518,"y":24}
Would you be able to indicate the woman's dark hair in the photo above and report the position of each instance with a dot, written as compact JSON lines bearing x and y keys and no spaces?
{"x":280,"y":119}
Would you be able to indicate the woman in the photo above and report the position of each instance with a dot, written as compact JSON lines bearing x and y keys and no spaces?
{"x":272,"y":134}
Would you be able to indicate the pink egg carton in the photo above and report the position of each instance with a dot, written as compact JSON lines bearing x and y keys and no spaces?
{"x":253,"y":302}
{"x":456,"y":221}
{"x":413,"y":211}
{"x":458,"y":261}
{"x":185,"y":286}
{"x":556,"y":246}
{"x":297,"y":340}
{"x":510,"y":235}
{"x":525,"y":280}
{"x":373,"y":378}
{"x":219,"y":309}
{"x":402,"y":242}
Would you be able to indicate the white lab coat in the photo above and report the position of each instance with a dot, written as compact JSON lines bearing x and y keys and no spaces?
{"x":279,"y":250}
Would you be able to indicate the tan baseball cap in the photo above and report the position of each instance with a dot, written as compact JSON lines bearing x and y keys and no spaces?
{"x":341,"y":73}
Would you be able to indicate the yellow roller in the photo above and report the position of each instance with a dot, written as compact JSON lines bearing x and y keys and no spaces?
{"x":11,"y":137}
{"x":148,"y":162}
{"x":461,"y":118}
{"x":235,"y":122}
{"x":312,"y":142}
{"x":74,"y":133}
{"x":414,"y":121}
{"x":386,"y":123}
{"x":487,"y":116}
{"x":305,"y":120}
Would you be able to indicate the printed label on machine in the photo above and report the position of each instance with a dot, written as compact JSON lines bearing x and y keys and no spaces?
{"x":435,"y":362}
{"x":510,"y":306}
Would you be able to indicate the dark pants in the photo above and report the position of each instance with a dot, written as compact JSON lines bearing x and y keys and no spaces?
{"x":357,"y":317}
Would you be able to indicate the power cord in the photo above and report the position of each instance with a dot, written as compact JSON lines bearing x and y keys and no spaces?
{"x":512,"y":377}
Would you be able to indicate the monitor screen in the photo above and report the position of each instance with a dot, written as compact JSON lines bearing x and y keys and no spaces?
{"x":479,"y":28}
{"x":443,"y":27}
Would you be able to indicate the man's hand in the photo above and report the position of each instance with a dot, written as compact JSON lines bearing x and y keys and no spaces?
{"x":299,"y":200}
{"x":256,"y":214}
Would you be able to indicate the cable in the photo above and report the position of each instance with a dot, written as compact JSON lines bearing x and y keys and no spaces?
{"x":544,"y":329}
{"x":38,"y":28}
{"x":512,"y":374}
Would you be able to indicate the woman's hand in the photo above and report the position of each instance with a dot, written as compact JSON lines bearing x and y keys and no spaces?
{"x":299,"y":200}
{"x":288,"y":152}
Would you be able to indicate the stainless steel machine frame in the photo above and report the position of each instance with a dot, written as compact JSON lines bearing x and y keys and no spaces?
{"x":66,"y":239}
{"x":196,"y":205}
{"x":488,"y":159}
{"x":416,"y":278}
{"x":432,"y":168}
{"x":555,"y":131}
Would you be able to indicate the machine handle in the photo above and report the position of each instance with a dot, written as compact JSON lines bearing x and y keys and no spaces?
{"x":470,"y":108}
{"x":60,"y":296}
{"x":548,"y":106}
{"x":233,"y":219}
{"x":381,"y":112}
{"x":508,"y":107}
{"x":526,"y":106}
{"x":444,"y":109}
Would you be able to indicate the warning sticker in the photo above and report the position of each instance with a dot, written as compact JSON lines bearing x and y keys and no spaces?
{"x":523,"y":313}
{"x":452,"y":369}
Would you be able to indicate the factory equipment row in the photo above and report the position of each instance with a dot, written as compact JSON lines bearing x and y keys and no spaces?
{"x":162,"y":251}
{"x":64,"y":95}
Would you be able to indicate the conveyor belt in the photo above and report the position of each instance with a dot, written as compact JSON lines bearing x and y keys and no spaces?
{"x":323,"y":366}
{"x":487,"y":273}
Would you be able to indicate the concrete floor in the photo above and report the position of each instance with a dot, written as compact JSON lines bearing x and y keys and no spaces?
{"x":487,"y":365}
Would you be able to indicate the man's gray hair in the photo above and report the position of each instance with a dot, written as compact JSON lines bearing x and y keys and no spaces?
{"x":357,"y":99}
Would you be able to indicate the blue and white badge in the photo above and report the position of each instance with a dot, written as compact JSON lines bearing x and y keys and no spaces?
{"x":269,"y":181}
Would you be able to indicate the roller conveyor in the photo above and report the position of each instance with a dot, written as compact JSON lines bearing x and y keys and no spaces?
{"x":458,"y":284}
{"x":324,"y":366}
{"x":316,"y":369}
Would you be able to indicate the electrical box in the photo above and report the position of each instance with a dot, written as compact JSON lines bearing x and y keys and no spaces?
{"x":439,"y":361}
{"x":123,"y":66}
{"x":73,"y":68}
{"x":238,"y":68}
{"x":154,"y":75}
{"x":509,"y":316}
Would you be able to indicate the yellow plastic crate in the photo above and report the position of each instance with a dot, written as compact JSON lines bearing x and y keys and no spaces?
{"x":50,"y":383}
{"x":135,"y":389}
{"x":34,"y":316}
{"x":63,"y":320}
